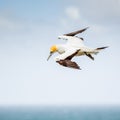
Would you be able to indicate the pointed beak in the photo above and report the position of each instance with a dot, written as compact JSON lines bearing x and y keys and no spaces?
{"x":49,"y":56}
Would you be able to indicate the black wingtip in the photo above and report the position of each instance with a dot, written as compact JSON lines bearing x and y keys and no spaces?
{"x":100,"y":48}
{"x":69,"y":64}
{"x":76,"y":32}
{"x":86,"y":28}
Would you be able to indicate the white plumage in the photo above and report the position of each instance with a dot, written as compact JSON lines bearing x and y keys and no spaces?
{"x":74,"y":47}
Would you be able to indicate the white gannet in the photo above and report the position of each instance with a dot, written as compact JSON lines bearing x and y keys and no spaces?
{"x":73,"y":47}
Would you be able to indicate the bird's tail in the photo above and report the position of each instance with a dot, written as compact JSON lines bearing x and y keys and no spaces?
{"x":101,"y":48}
{"x":96,"y":51}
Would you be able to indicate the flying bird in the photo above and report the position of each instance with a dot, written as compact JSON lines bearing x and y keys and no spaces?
{"x":73,"y":47}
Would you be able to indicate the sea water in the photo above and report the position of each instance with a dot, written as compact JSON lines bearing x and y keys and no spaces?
{"x":59,"y":113}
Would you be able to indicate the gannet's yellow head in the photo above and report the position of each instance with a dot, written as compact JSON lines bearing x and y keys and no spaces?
{"x":53,"y":49}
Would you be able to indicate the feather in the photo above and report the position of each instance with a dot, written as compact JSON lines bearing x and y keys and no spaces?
{"x":76,"y":32}
{"x":68,"y":63}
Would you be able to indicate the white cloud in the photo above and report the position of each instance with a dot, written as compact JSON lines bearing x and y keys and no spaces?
{"x":72,"y":12}
{"x":72,"y":18}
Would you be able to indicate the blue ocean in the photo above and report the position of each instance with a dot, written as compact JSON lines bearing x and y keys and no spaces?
{"x":59,"y":113}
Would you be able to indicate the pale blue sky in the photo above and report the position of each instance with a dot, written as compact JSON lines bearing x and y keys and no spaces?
{"x":28,"y":28}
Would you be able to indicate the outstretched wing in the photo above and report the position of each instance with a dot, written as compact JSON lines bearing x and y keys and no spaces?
{"x":68,"y":63}
{"x":76,"y":32}
{"x":72,"y":55}
{"x":73,"y":40}
{"x":68,"y":55}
